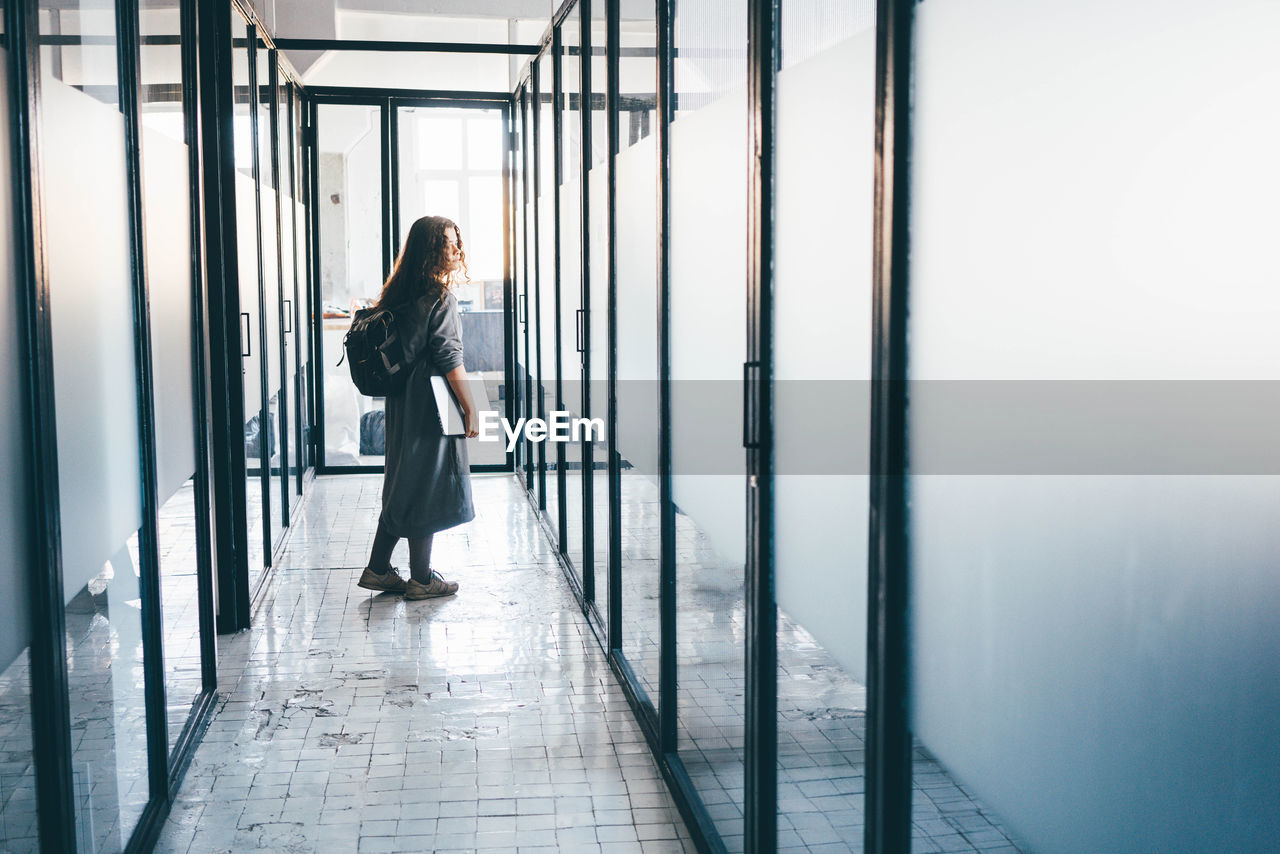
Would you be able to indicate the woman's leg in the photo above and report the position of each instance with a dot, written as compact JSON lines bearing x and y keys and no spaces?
{"x":383,"y":545}
{"x":420,"y":559}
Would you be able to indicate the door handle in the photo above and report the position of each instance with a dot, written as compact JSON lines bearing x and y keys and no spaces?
{"x":248,"y":349}
{"x":748,"y":439}
{"x":522,"y":309}
{"x":288,"y":317}
{"x":578,"y":316}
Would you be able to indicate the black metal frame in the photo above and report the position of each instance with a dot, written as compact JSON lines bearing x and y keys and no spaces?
{"x":50,"y":702}
{"x":389,"y":102}
{"x":888,"y":766}
{"x":51,"y":725}
{"x":888,"y":797}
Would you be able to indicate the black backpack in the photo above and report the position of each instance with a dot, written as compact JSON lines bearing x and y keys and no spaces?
{"x":378,"y":352}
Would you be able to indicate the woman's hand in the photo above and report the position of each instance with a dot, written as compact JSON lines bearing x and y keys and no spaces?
{"x":470,"y":415}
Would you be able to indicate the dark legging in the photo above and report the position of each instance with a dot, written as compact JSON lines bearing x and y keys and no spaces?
{"x":419,"y":554}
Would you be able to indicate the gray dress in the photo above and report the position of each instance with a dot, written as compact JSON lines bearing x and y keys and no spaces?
{"x":427,"y":486}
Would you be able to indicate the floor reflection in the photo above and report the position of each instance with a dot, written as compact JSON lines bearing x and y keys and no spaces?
{"x":17,"y":773}
{"x":350,"y":721}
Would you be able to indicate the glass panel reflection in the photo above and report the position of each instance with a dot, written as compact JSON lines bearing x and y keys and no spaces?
{"x":350,"y":267}
{"x":166,"y":202}
{"x":822,"y":350}
{"x":598,"y":284}
{"x":548,"y":368}
{"x":259,"y":432}
{"x":570,"y":198}
{"x":18,"y":832}
{"x":709,"y":170}
{"x":637,"y":337}
{"x":91,"y":311}
{"x":451,"y":165}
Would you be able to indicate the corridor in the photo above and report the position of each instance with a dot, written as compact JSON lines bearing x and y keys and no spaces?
{"x":349,"y":721}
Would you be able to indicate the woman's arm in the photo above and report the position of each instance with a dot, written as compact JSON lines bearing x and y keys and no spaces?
{"x":458,"y":382}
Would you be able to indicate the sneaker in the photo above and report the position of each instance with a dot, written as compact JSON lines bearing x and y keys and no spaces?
{"x":437,"y":587}
{"x":386,"y":582}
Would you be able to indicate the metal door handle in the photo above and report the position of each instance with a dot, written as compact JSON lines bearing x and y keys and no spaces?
{"x":578,"y":316}
{"x":522,"y":309}
{"x":248,"y":349}
{"x":747,"y":421}
{"x":288,"y":317}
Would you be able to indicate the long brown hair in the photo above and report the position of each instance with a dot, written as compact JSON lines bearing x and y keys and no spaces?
{"x":422,"y":267}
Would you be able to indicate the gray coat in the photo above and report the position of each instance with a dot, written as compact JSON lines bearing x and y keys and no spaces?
{"x":427,"y":486}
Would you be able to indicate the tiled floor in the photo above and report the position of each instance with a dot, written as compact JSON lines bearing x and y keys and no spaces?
{"x":357,"y":722}
{"x":821,"y":709}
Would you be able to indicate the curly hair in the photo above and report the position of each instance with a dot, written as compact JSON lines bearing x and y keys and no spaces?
{"x":422,"y":266}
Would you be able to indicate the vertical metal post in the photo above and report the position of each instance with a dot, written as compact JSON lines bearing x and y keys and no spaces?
{"x":199,"y":295}
{"x":50,"y":705}
{"x":273,"y":77}
{"x":226,"y":391}
{"x":667,"y":705}
{"x":535,"y":77}
{"x":612,"y":62}
{"x":508,"y":265}
{"x":390,"y":214}
{"x":127,"y":58}
{"x":557,"y":169}
{"x":585,"y":49}
{"x":761,"y":804}
{"x":888,"y":798}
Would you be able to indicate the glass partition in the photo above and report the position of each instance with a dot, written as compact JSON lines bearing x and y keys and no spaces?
{"x":597,"y":355}
{"x":259,"y":434}
{"x":290,"y":316}
{"x":91,"y":310}
{"x":270,"y":295}
{"x":167,"y":206}
{"x":527,"y":347}
{"x":709,"y":148}
{"x":569,"y":276}
{"x":1129,"y":581}
{"x":822,"y":367}
{"x":350,"y":265}
{"x":548,"y":287}
{"x":450,"y":164}
{"x":636,"y":166}
{"x":18,"y":830}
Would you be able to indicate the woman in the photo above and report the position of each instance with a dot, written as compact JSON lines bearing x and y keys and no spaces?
{"x":427,"y":486}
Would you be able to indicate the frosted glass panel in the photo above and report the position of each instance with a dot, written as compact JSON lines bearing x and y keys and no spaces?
{"x":17,"y":772}
{"x":822,"y":364}
{"x":637,"y":361}
{"x":708,"y":244}
{"x":166,"y":205}
{"x":99,"y":460}
{"x":1093,"y":199}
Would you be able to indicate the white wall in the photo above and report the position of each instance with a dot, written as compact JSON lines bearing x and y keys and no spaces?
{"x":1094,"y":197}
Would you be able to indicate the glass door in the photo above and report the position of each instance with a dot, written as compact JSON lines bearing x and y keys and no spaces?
{"x":276,"y":435}
{"x":351,"y":267}
{"x":450,"y":163}
{"x":259,"y":439}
